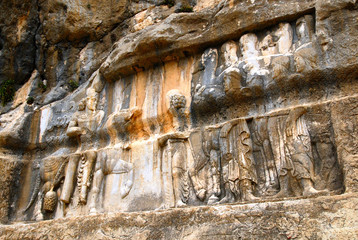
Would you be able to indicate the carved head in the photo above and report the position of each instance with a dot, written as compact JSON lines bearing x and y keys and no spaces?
{"x":92,"y":99}
{"x":209,"y":57}
{"x":267,"y":45}
{"x":82,"y":105}
{"x":229,"y":50}
{"x":176,"y":99}
{"x":248,"y":45}
{"x":304,"y":28}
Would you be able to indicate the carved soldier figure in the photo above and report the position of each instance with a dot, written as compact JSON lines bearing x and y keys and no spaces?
{"x":239,"y":173}
{"x":175,"y":152}
{"x":209,"y":90}
{"x":305,"y":54}
{"x":268,"y":48}
{"x":285,"y":37}
{"x":230,"y":75}
{"x":298,"y":159}
{"x":252,"y":59}
{"x":211,"y":147}
{"x":83,"y":126}
{"x":262,"y":140}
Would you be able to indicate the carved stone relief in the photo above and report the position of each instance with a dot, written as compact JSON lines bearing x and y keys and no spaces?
{"x":178,"y":162}
{"x":47,"y":187}
{"x":109,"y":162}
{"x":256,"y":62}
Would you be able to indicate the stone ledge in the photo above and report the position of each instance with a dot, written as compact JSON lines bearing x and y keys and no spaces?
{"x":179,"y":34}
{"x":326,"y":217}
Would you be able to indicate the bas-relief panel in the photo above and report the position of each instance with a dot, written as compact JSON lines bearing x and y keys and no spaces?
{"x":131,"y":145}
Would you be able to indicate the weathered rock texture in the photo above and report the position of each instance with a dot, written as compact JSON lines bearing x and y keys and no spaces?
{"x":126,"y":111}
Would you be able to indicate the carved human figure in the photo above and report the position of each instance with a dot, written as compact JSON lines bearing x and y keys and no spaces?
{"x":211,"y":147}
{"x":262,"y":140}
{"x":305,"y":54}
{"x":239,"y":173}
{"x":209,"y":90}
{"x":175,"y":152}
{"x":83,"y":126}
{"x":284,"y":34}
{"x":298,"y":159}
{"x":268,"y":48}
{"x":70,"y":176}
{"x":305,"y":30}
{"x":197,"y":160}
{"x":111,"y":163}
{"x":229,"y":73}
{"x":251,"y":54}
{"x":252,"y":59}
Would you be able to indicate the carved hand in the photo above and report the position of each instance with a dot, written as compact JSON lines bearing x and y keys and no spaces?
{"x":290,"y":125}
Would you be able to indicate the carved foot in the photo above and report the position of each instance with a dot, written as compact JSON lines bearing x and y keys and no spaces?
{"x":313,"y":192}
{"x":248,"y":196}
{"x":93,"y":211}
{"x":39,"y":216}
{"x":201,"y":194}
{"x":281,"y":194}
{"x":180,"y":204}
{"x":213,"y":199}
{"x":226,"y":199}
{"x":162,"y":207}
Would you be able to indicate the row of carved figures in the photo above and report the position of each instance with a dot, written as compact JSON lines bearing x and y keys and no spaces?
{"x":212,"y":165}
{"x":247,"y":67}
{"x":226,"y":152}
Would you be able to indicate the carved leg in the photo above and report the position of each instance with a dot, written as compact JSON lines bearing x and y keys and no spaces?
{"x":89,"y":161}
{"x":69,"y":182}
{"x":229,"y":196}
{"x":308,"y":189}
{"x":200,"y":191}
{"x":266,"y":171}
{"x":38,"y":208}
{"x":284,"y":187}
{"x":128,"y":168}
{"x":97,"y":182}
{"x":271,"y":170}
{"x":177,"y":174}
{"x":246,"y":190}
{"x":215,"y":175}
{"x":180,"y":186}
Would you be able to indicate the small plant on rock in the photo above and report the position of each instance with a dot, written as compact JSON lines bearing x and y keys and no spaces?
{"x":42,"y":86}
{"x":169,"y":3}
{"x":73,"y":85}
{"x":7,"y":91}
{"x":30,"y":100}
{"x":185,"y":9}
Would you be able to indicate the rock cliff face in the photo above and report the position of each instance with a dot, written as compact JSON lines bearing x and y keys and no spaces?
{"x":179,"y":119}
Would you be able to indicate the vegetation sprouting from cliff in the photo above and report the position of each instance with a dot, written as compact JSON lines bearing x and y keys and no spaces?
{"x":7,"y":91}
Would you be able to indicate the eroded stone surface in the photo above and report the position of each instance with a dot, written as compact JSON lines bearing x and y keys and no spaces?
{"x":320,"y":218}
{"x":142,"y":107}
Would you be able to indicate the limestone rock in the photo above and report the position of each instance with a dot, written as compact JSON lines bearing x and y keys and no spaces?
{"x":179,"y":119}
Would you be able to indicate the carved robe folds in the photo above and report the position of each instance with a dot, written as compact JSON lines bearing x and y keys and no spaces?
{"x":238,"y":166}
